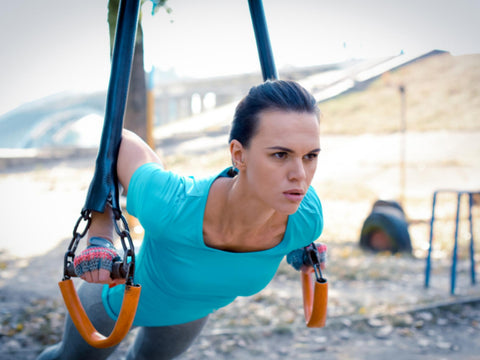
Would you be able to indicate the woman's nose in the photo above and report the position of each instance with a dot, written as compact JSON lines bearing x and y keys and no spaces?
{"x":297,"y":170}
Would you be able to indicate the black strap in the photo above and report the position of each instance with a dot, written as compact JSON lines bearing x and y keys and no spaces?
{"x":104,"y":185}
{"x":264,"y":47}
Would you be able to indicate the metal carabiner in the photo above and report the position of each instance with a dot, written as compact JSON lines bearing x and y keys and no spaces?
{"x":313,"y":259}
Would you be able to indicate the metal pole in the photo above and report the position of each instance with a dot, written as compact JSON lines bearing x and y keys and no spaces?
{"x":269,"y":71}
{"x":455,"y":247}
{"x":472,"y":249}
{"x":403,"y":128}
{"x":429,"y":255}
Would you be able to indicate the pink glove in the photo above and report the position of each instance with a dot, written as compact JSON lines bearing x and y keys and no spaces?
{"x":101,"y":254}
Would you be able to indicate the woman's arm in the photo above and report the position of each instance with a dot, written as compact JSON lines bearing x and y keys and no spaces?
{"x":133,"y":153}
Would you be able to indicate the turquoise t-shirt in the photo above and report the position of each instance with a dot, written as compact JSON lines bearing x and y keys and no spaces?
{"x":183,"y":279}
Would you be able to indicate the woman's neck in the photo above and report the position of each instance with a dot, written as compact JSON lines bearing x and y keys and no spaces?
{"x":234,"y":220}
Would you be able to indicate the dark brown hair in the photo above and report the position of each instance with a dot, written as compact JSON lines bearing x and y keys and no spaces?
{"x":271,"y":95}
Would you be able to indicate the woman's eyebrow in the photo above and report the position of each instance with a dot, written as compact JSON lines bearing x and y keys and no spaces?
{"x":281,"y":148}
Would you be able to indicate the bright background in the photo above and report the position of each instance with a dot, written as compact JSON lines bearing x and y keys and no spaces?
{"x":52,"y":46}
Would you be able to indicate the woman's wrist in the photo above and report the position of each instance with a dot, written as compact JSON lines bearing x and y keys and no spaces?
{"x":102,"y":225}
{"x":100,"y":241}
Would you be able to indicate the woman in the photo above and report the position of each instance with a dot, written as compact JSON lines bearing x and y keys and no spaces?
{"x":209,"y":240}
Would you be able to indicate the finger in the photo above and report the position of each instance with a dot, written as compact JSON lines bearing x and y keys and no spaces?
{"x":95,"y":276}
{"x":87,"y":277}
{"x":104,"y":276}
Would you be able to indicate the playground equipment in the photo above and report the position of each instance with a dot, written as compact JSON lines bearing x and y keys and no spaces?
{"x":386,"y":228}
{"x":460,"y":194}
{"x":104,"y":189}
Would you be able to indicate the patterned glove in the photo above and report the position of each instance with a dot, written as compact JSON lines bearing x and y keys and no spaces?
{"x":298,"y":258}
{"x":100,"y":254}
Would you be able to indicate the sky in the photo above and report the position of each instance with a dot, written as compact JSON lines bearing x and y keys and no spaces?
{"x":54,"y":46}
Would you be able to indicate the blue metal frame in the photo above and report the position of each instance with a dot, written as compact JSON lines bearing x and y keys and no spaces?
{"x":455,"y":245}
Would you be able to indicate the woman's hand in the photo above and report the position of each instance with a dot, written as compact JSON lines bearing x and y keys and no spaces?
{"x":298,"y":259}
{"x":94,"y":264}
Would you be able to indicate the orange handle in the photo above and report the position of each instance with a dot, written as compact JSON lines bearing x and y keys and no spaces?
{"x":315,"y":299}
{"x":83,"y":323}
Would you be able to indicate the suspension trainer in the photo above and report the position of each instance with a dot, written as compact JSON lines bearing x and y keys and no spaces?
{"x":314,"y":288}
{"x":104,"y":189}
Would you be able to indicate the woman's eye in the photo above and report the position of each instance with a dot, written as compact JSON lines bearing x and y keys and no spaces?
{"x":311,"y":156}
{"x":280,"y":155}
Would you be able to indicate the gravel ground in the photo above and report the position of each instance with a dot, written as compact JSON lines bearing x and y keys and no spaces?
{"x":378,"y":306}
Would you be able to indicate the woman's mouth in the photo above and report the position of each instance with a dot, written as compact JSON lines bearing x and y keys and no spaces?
{"x":294,"y":195}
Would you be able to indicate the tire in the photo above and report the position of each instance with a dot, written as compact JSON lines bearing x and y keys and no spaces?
{"x":387,"y":224}
{"x":388,"y":203}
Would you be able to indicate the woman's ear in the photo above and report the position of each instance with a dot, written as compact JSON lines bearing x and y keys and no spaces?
{"x":237,"y":152}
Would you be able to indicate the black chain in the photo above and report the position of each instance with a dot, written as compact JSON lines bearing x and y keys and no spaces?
{"x":72,"y":247}
{"x":121,"y":228}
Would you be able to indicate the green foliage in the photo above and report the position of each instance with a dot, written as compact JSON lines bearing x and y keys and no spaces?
{"x":113,"y":12}
{"x":157,"y":4}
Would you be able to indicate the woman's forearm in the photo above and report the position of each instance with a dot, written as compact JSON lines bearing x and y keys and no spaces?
{"x":102,"y":224}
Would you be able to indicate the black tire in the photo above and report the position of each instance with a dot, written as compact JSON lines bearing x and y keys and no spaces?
{"x":388,"y":203}
{"x":388,"y":219}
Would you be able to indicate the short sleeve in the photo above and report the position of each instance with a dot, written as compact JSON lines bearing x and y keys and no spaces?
{"x":150,"y":192}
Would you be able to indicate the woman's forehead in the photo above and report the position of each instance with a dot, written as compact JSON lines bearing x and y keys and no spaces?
{"x":277,"y":121}
{"x":283,"y":128}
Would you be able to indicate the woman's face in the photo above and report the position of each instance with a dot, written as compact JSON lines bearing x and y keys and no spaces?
{"x":281,"y":160}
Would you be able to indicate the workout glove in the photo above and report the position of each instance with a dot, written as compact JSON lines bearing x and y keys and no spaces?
{"x":100,"y":254}
{"x":298,"y":258}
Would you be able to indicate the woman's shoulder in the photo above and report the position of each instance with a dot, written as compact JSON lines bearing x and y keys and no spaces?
{"x":154,"y":175}
{"x":311,"y":202}
{"x":308,"y":219}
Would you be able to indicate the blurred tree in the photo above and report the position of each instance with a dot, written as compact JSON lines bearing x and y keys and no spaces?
{"x":136,"y":110}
